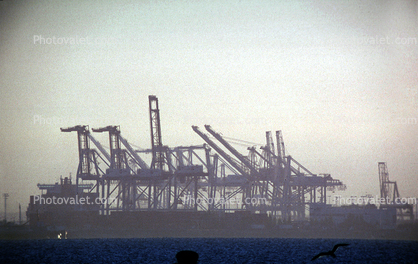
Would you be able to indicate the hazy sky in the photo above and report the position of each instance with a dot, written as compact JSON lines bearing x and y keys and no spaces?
{"x":339,"y":78}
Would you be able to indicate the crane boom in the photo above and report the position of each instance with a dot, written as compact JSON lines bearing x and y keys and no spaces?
{"x":228,"y":158}
{"x":99,"y":146}
{"x":140,"y":161}
{"x":240,"y":157}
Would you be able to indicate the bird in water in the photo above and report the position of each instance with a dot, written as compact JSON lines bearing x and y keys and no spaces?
{"x":330,"y":253}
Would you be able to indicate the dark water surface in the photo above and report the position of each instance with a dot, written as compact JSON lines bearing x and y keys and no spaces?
{"x":212,"y":250}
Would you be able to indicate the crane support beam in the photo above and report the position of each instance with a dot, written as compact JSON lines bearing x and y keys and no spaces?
{"x":158,"y":159}
{"x":388,"y":189}
{"x":83,"y":148}
{"x":117,"y":158}
{"x":281,"y":154}
{"x":383,"y":179}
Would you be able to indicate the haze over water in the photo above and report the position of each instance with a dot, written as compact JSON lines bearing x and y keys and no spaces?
{"x":338,"y":78}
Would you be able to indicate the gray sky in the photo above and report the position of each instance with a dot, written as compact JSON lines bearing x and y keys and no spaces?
{"x":339,"y":78}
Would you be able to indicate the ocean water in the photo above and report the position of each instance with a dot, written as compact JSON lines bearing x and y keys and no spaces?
{"x":212,"y":250}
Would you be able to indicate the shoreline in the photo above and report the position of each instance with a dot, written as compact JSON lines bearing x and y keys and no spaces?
{"x":28,"y":234}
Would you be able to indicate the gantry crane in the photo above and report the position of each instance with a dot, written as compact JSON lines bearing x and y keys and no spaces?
{"x":175,"y":173}
{"x":390,"y":195}
{"x":279,"y":181}
{"x":388,"y":189}
{"x":88,"y":168}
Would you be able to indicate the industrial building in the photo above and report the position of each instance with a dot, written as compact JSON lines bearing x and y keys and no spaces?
{"x":353,"y":215}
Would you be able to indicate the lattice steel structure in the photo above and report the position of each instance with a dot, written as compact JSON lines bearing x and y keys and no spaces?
{"x":198,"y":178}
{"x":390,"y":196}
{"x":388,"y":189}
